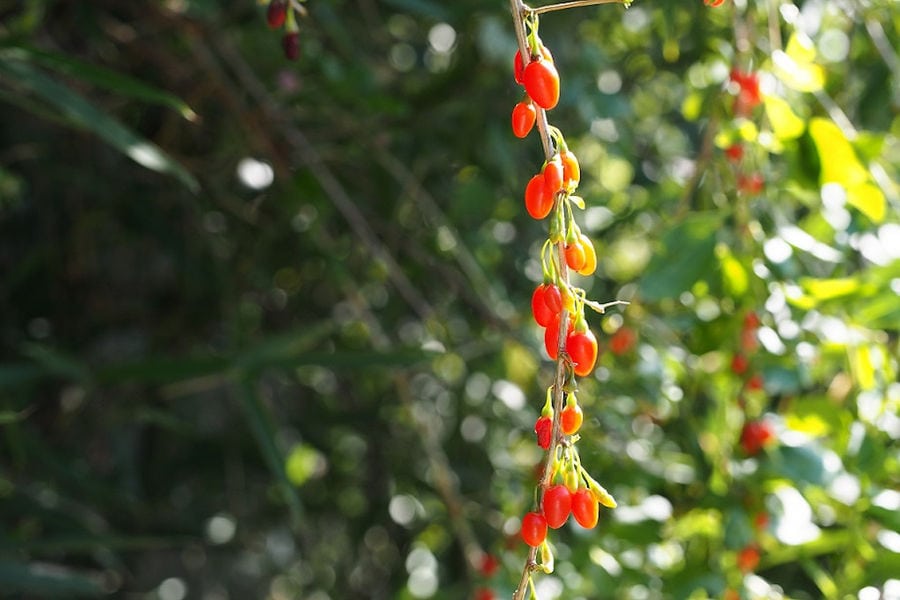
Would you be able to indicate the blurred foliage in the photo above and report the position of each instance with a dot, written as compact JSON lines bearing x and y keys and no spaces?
{"x":265,"y":324}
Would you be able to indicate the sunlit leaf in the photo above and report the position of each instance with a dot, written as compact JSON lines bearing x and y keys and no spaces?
{"x":839,"y":162}
{"x":785,"y":124}
{"x":81,"y":113}
{"x":795,"y":65}
{"x":829,"y":289}
{"x":869,"y":200}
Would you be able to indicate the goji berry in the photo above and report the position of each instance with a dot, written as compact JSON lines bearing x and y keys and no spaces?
{"x":540,"y":307}
{"x":581,"y":346}
{"x":557,"y":504}
{"x":553,"y":174}
{"x":523,"y":117}
{"x":542,"y":83}
{"x":543,"y":428}
{"x":276,"y":13}
{"x":571,"y":170}
{"x":590,"y":256}
{"x":575,"y":256}
{"x":570,"y":419}
{"x":748,"y":559}
{"x":585,"y":508}
{"x":755,"y":436}
{"x":291,"y":45}
{"x":534,"y":529}
{"x":538,"y":200}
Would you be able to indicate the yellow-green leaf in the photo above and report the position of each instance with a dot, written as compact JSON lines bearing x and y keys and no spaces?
{"x":839,"y":161}
{"x":785,"y":124}
{"x":863,"y":368}
{"x":796,"y":67}
{"x":734,"y":276}
{"x":869,"y":200}
{"x":829,"y":289}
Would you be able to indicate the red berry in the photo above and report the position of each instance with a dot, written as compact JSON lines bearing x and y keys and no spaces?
{"x":622,"y":341}
{"x":553,"y":298}
{"x":551,"y":338}
{"x":571,"y":418}
{"x":557,"y":504}
{"x":755,"y":383}
{"x":534,"y":529}
{"x":581,"y":346}
{"x":749,"y":95}
{"x":523,"y":117}
{"x":489,"y":565}
{"x":585,"y":508}
{"x":755,"y":436}
{"x":542,"y":83}
{"x":748,"y":559}
{"x":553,"y":174}
{"x":734,"y":152}
{"x":484,"y":594}
{"x":543,"y":428}
{"x":277,"y":13}
{"x":752,"y":184}
{"x":518,"y":68}
{"x":291,"y":44}
{"x":538,"y":200}
{"x":546,"y":303}
{"x":739,"y":364}
{"x":713,"y":3}
{"x":761,"y":521}
{"x":751,"y":321}
{"x":575,"y":256}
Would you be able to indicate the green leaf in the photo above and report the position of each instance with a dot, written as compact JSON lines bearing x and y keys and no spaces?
{"x":687,"y":254}
{"x":80,"y":113}
{"x":104,"y":78}
{"x":46,"y":581}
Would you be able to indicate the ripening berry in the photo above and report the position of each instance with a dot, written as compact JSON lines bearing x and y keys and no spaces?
{"x":571,"y":418}
{"x":590,"y":256}
{"x":575,"y":256}
{"x":571,"y":170}
{"x":755,"y":383}
{"x":585,"y":508}
{"x":713,"y":3}
{"x":534,"y":529}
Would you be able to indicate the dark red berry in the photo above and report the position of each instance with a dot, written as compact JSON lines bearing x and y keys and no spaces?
{"x":291,"y":44}
{"x":277,"y":13}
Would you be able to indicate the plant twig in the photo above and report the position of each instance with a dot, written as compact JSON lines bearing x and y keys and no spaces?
{"x":574,"y":4}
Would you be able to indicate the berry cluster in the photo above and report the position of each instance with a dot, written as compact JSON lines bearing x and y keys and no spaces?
{"x":557,"y":306}
{"x":282,"y":14}
{"x":747,"y":97}
{"x":756,"y":434}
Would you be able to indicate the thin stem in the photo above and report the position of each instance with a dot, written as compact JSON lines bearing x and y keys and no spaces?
{"x":520,"y":11}
{"x":574,"y":4}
